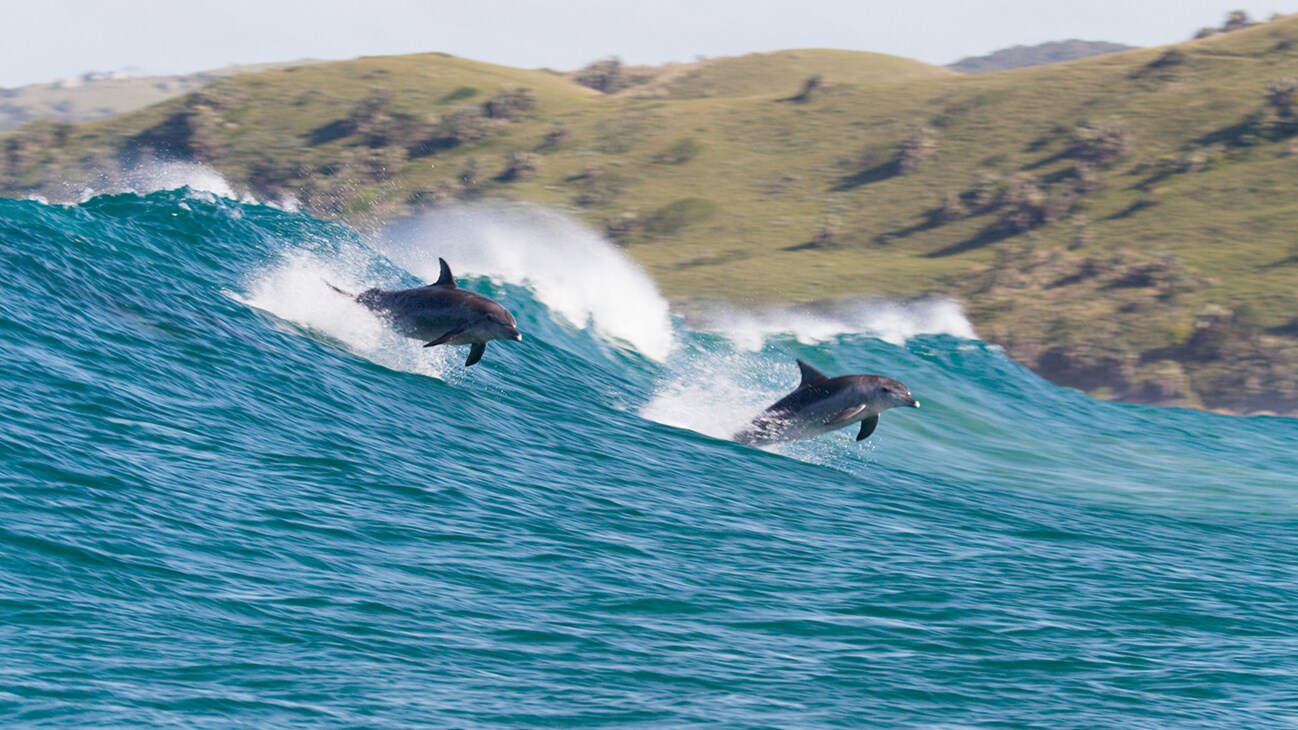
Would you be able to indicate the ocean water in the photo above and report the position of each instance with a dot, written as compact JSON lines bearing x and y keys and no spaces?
{"x":232,"y":498}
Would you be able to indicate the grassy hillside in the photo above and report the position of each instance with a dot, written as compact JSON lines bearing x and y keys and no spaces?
{"x":1124,"y":223}
{"x":760,"y":74}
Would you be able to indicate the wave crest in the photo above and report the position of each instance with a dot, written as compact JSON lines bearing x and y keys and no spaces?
{"x":892,"y":322}
{"x":572,"y":270}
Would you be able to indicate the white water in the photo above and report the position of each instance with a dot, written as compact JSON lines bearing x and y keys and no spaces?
{"x":294,"y":290}
{"x":155,"y":176}
{"x":572,"y":270}
{"x":712,"y":393}
{"x":586,"y":282}
{"x":892,"y":322}
{"x":717,"y":393}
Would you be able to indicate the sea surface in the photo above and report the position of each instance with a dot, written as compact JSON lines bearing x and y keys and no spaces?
{"x":230,"y":497}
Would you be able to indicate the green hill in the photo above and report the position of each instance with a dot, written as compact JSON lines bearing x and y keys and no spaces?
{"x":1124,"y":223}
{"x":781,"y":73}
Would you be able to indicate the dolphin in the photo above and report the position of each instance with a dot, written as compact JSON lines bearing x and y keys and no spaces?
{"x":442,"y":314}
{"x":822,"y":404}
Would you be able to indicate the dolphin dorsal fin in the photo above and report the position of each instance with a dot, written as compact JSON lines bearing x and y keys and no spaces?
{"x":810,"y":374}
{"x":446,"y":278}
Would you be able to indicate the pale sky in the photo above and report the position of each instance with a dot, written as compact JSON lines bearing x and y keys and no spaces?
{"x":50,"y":39}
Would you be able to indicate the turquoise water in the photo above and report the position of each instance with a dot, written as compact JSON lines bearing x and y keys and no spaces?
{"x":230,"y":498}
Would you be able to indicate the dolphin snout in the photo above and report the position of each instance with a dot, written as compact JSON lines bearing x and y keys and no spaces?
{"x":913,"y":403}
{"x":515,"y":335}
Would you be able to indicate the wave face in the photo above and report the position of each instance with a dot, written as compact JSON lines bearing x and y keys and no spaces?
{"x":232,"y":497}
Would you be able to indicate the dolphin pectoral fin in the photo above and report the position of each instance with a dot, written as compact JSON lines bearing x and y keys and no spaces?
{"x":450,"y":335}
{"x":867,"y":427}
{"x":475,"y":353}
{"x":844,"y":417}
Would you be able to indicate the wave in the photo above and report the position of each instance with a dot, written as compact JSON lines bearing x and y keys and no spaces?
{"x":574,"y":271}
{"x":199,"y":452}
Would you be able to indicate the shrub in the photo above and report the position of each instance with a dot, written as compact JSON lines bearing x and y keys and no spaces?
{"x":1236,"y":20}
{"x":986,"y":188}
{"x":1195,"y":159}
{"x":192,"y":132}
{"x":1166,"y":67}
{"x":461,"y":126}
{"x":557,"y":135}
{"x":813,"y":88}
{"x":377,"y":164}
{"x":597,"y":186}
{"x":471,"y":175}
{"x":953,"y":208}
{"x":678,"y":215}
{"x":683,"y":151}
{"x":825,"y":235}
{"x":521,"y":166}
{"x":622,"y":227}
{"x":1169,"y":59}
{"x":1281,"y":95}
{"x":1103,"y":143}
{"x":916,"y":149}
{"x":509,"y":105}
{"x":606,"y":76}
{"x":459,"y":94}
{"x":1022,"y":203}
{"x":1083,"y":236}
{"x":34,"y":143}
{"x":371,"y":119}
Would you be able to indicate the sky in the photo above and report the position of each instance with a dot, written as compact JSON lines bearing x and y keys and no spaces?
{"x":53,"y":39}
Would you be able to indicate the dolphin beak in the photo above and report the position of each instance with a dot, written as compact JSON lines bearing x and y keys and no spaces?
{"x":914,"y":403}
{"x":517,"y":336}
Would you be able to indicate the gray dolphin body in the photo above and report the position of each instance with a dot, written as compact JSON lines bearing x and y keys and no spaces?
{"x":442,"y":314}
{"x":822,"y":404}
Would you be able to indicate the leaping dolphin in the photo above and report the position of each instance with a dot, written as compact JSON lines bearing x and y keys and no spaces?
{"x":822,"y":404}
{"x":442,"y":314}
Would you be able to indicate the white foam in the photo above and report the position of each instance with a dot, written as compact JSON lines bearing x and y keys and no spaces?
{"x":572,"y":270}
{"x":295,"y":291}
{"x":715,"y":394}
{"x":155,"y":176}
{"x":892,"y":322}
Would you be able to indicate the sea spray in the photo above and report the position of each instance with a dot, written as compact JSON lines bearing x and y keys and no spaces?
{"x":296,"y":289}
{"x":894,"y":322}
{"x":576,"y":273}
{"x":154,"y":176}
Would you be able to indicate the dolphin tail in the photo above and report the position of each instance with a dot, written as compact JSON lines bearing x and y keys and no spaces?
{"x":759,"y":432}
{"x":347,"y":294}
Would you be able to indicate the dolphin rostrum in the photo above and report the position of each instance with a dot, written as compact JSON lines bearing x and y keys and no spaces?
{"x":822,"y":404}
{"x":442,"y":314}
